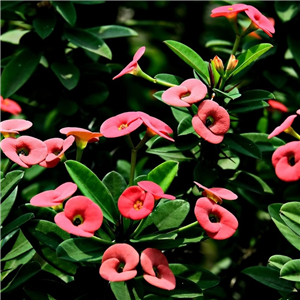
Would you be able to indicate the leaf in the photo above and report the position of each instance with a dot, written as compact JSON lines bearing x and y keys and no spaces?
{"x":18,"y":71}
{"x":169,"y":79}
{"x":86,"y":2}
{"x":96,"y":95}
{"x":250,"y":55}
{"x":242,"y":145}
{"x":229,"y":95}
{"x":286,"y":10}
{"x":7,"y":205}
{"x":120,"y":290}
{"x":292,"y":237}
{"x":179,"y":113}
{"x":269,"y":277}
{"x":291,"y":270}
{"x":294,"y":46}
{"x":92,"y":187}
{"x":116,"y":184}
{"x":164,"y":174}
{"x":67,"y":10}
{"x":278,"y":260}
{"x":13,"y":37}
{"x":67,"y":73}
{"x":292,"y":211}
{"x":44,"y":24}
{"x":112,"y":31}
{"x":292,"y":192}
{"x":246,"y":108}
{"x":247,"y":181}
{"x":15,"y":224}
{"x":185,"y":126}
{"x":170,"y":214}
{"x":253,"y":96}
{"x":190,"y":57}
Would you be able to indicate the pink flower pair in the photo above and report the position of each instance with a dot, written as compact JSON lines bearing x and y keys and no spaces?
{"x":137,"y":202}
{"x":119,"y":263}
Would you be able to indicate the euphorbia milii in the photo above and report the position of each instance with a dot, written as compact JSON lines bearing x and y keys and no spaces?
{"x":286,"y":161}
{"x":154,"y":189}
{"x":56,"y":149}
{"x":11,"y":127}
{"x":54,"y":197}
{"x":228,"y":11}
{"x":24,"y":150}
{"x":81,"y":217}
{"x":184,"y":95}
{"x":218,"y":222}
{"x":211,"y":122}
{"x":276,"y":105}
{"x":156,"y":268}
{"x":10,"y":106}
{"x":284,"y":127}
{"x":135,"y":204}
{"x":119,"y":262}
{"x":217,"y":194}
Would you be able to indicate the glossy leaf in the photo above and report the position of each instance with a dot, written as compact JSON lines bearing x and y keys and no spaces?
{"x":286,"y":10}
{"x":44,"y":24}
{"x":294,"y":46}
{"x":67,"y":73}
{"x":185,"y":126}
{"x":242,"y":145}
{"x":120,"y":290}
{"x":7,"y":205}
{"x":250,"y":55}
{"x":67,"y":10}
{"x":234,"y":94}
{"x":180,"y":113}
{"x":175,"y":156}
{"x":112,"y":31}
{"x":278,"y":260}
{"x":15,"y":224}
{"x":116,"y":184}
{"x":164,"y":174}
{"x":18,"y":71}
{"x":294,"y":226}
{"x":247,"y":181}
{"x":292,"y":211}
{"x":291,"y":270}
{"x":168,"y":78}
{"x":190,"y":57}
{"x":253,"y":96}
{"x":45,"y":213}
{"x":243,"y":108}
{"x":155,"y":237}
{"x":92,"y":187}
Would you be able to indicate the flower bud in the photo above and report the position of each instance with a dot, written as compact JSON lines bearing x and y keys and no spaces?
{"x":218,"y":63}
{"x":232,"y":63}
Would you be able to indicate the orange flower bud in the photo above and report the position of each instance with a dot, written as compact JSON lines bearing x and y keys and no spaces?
{"x":232,"y":63}
{"x":218,"y":63}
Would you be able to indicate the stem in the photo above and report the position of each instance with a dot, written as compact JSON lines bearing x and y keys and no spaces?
{"x":236,"y":44}
{"x":165,"y":83}
{"x":136,"y":231}
{"x":184,"y":228}
{"x":79,"y":153}
{"x":144,"y":140}
{"x":292,"y":132}
{"x":132,"y":168}
{"x":128,"y":140}
{"x":8,"y":166}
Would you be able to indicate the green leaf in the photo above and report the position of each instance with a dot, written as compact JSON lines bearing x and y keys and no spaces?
{"x":13,"y":37}
{"x":292,"y":192}
{"x":120,"y":290}
{"x":164,"y":174}
{"x":278,"y":260}
{"x":45,"y":213}
{"x":185,"y":126}
{"x":289,"y":219}
{"x":82,"y":249}
{"x":67,"y":73}
{"x":92,"y":187}
{"x":242,"y":145}
{"x":250,"y":55}
{"x":44,"y":24}
{"x":247,"y":181}
{"x":116,"y":184}
{"x":286,"y":10}
{"x":67,"y":10}
{"x":112,"y":31}
{"x":292,"y":211}
{"x":175,"y":156}
{"x":246,"y":108}
{"x":170,"y":214}
{"x":169,"y":79}
{"x":18,"y":71}
{"x":229,"y":95}
{"x":294,"y":46}
{"x":179,"y":113}
{"x":15,"y":224}
{"x":86,"y":2}
{"x":155,"y":237}
{"x":269,"y":277}
{"x":190,"y":57}
{"x":158,"y":95}
{"x":253,"y":96}
{"x":98,"y":92}
{"x":88,"y":41}
{"x":291,"y":236}
{"x":7,"y":205}
{"x":291,"y":270}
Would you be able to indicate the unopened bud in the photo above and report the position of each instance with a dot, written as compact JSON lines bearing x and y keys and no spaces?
{"x":232,"y":63}
{"x":218,"y":63}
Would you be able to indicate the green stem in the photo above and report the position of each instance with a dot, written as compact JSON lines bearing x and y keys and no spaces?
{"x":144,"y":140}
{"x":133,"y":164}
{"x":184,"y":228}
{"x":137,"y":231}
{"x":8,"y":166}
{"x":128,"y":140}
{"x":292,"y":132}
{"x":79,"y":153}
{"x":165,"y":83}
{"x":236,"y":44}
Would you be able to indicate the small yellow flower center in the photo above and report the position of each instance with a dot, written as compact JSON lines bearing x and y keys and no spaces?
{"x":123,"y":126}
{"x":230,"y":8}
{"x":212,"y":196}
{"x":138,"y":205}
{"x":77,"y":220}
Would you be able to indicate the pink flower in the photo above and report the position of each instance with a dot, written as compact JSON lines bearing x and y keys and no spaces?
{"x":154,"y":189}
{"x":276,"y":105}
{"x":121,"y":124}
{"x":81,"y":217}
{"x":10,"y":128}
{"x":218,"y":222}
{"x":283,"y":127}
{"x":24,"y":150}
{"x":228,"y":11}
{"x":156,"y":126}
{"x":56,"y":149}
{"x":133,"y":65}
{"x":259,"y":20}
{"x":156,"y":268}
{"x":298,"y":111}
{"x":135,"y":204}
{"x":184,"y":95}
{"x":286,"y":161}
{"x":54,"y":197}
{"x":82,"y":136}
{"x":10,"y":106}
{"x":211,"y":122}
{"x":217,"y":194}
{"x":119,"y":262}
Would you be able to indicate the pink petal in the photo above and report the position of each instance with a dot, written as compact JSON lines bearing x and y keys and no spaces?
{"x":65,"y":191}
{"x":166,"y":280}
{"x":45,"y":199}
{"x":139,"y":53}
{"x":172,"y":96}
{"x":228,"y":10}
{"x":224,"y":193}
{"x":14,"y":125}
{"x":154,"y":189}
{"x":277,"y":105}
{"x":127,"y":70}
{"x":286,"y":124}
{"x":197,"y":89}
{"x":151,"y":258}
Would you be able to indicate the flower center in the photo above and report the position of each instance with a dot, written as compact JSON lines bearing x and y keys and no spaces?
{"x":123,"y":126}
{"x":56,"y":151}
{"x":23,"y":151}
{"x":138,"y":205}
{"x":156,"y":272}
{"x":120,"y":267}
{"x":185,"y":95}
{"x":292,"y":160}
{"x":213,"y":218}
{"x":209,"y":121}
{"x":212,"y":196}
{"x":77,"y":220}
{"x":230,"y":8}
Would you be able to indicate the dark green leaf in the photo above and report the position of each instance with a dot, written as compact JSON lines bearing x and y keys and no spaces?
{"x":7,"y":205}
{"x":45,"y":213}
{"x":291,"y":270}
{"x":9,"y":4}
{"x":9,"y":182}
{"x":169,"y":79}
{"x":86,"y":2}
{"x":158,"y":95}
{"x":155,"y":237}
{"x":16,"y":224}
{"x":116,"y":184}
{"x":294,"y":46}
{"x":292,"y":192}
{"x":44,"y":24}
{"x":185,"y":126}
{"x":286,"y":10}
{"x":253,"y":96}
{"x":247,"y":181}
{"x":120,"y":290}
{"x":112,"y":31}
{"x":67,"y":10}
{"x":278,"y":260}
{"x":229,"y":95}
{"x":292,"y":211}
{"x":176,"y":156}
{"x":179,"y":113}
{"x":246,"y":108}
{"x":96,"y":95}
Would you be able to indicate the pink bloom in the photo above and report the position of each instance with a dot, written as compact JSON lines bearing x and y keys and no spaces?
{"x":211,"y":122}
{"x":228,"y":11}
{"x":81,"y":217}
{"x":284,"y":126}
{"x":82,"y":136}
{"x":218,"y":222}
{"x":135,"y":204}
{"x":188,"y":92}
{"x":276,"y":105}
{"x":259,"y":20}
{"x":10,"y":106}
{"x":56,"y":149}
{"x":24,"y":150}
{"x":156,"y":268}
{"x":156,"y":126}
{"x":286,"y":161}
{"x":54,"y":197}
{"x":217,"y":194}
{"x":154,"y":189}
{"x":298,"y":111}
{"x":119,"y":262}
{"x":10,"y":128}
{"x":133,"y":65}
{"x":121,"y":124}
